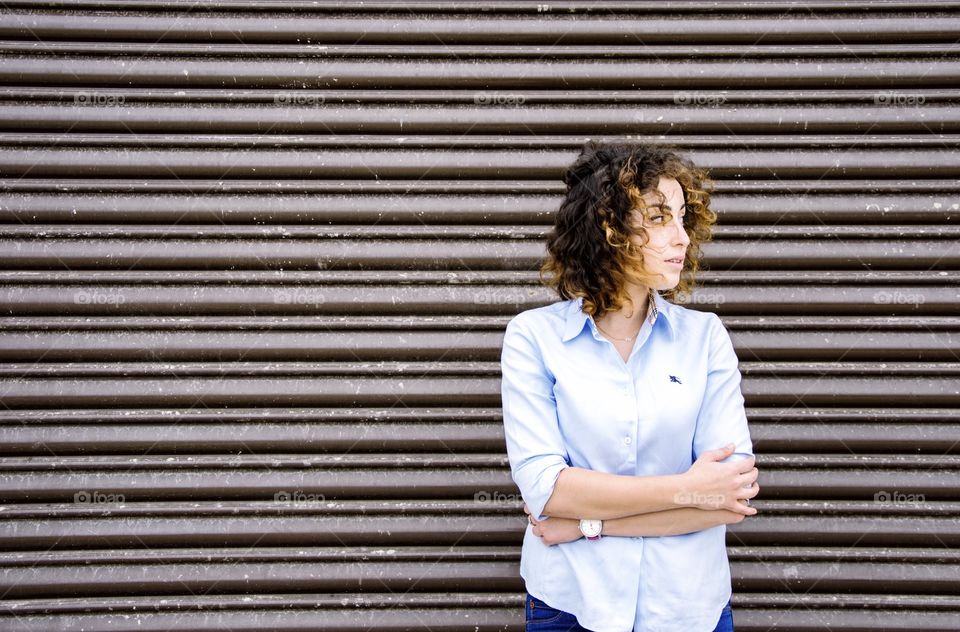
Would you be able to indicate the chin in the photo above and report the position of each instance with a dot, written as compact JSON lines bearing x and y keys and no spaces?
{"x":669,"y":281}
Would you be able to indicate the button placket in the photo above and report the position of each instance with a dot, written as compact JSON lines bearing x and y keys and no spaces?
{"x":631,"y":395}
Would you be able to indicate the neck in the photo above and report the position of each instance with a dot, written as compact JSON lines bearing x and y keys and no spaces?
{"x":628,"y":319}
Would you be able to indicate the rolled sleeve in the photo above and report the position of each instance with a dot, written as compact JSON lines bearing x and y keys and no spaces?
{"x":722,"y":418}
{"x":535,"y":446}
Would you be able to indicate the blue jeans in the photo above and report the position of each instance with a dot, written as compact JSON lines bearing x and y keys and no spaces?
{"x":543,"y":618}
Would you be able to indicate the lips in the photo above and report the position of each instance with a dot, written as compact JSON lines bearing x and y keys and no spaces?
{"x":675,"y":260}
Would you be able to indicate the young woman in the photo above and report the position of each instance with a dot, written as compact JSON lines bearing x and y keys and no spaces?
{"x":623,"y":414}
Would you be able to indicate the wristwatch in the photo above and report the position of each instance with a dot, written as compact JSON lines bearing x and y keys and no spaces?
{"x":591,"y":529}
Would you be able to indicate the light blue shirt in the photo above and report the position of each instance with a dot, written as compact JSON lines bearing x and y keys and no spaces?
{"x":570,"y":400}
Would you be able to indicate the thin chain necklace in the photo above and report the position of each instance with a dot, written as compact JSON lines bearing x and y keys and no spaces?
{"x":628,"y":339}
{"x":650,"y":306}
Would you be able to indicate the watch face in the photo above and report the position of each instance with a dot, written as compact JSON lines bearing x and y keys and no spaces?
{"x":591,"y":528}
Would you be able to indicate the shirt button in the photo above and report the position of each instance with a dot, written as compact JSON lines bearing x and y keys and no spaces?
{"x":626,"y":439}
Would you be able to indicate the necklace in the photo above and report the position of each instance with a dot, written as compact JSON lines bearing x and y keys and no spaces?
{"x":628,"y":339}
{"x":650,"y":306}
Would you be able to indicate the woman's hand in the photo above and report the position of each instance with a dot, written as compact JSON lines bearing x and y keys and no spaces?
{"x":713,"y":485}
{"x":555,"y":530}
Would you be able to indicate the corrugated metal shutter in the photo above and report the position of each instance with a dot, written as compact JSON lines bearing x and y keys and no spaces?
{"x":262,"y":248}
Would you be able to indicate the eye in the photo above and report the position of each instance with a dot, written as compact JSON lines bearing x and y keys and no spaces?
{"x":660,"y":218}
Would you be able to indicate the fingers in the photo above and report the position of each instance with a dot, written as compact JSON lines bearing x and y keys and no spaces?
{"x":718,"y":454}
{"x":538,"y":531}
{"x":749,"y":491}
{"x":742,"y":505}
{"x":744,"y":465}
{"x":748,"y":478}
{"x":742,"y":500}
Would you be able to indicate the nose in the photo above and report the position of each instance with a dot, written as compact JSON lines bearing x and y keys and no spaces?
{"x":681,"y":237}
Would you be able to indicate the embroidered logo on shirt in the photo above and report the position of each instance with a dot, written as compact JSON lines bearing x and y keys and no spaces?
{"x":674,"y":378}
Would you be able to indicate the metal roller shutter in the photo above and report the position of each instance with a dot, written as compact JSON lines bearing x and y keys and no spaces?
{"x":258,"y":258}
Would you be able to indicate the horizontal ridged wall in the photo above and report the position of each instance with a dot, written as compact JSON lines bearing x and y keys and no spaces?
{"x":256,"y":259}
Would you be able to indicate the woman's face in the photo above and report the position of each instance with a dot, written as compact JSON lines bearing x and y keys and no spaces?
{"x":664,"y":253}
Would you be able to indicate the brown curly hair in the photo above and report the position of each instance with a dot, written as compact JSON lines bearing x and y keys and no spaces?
{"x":590,"y":253}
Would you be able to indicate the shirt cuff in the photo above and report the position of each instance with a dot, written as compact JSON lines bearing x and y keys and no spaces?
{"x":541,"y":483}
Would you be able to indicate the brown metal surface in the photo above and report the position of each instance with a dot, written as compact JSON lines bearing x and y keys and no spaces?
{"x":257,"y":258}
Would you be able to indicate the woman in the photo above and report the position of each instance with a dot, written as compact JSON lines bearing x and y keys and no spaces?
{"x":622,"y":412}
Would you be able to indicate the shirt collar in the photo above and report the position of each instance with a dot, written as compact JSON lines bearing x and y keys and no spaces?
{"x":657,"y":307}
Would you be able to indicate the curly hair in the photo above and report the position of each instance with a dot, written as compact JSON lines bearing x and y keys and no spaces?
{"x":589,"y":251}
